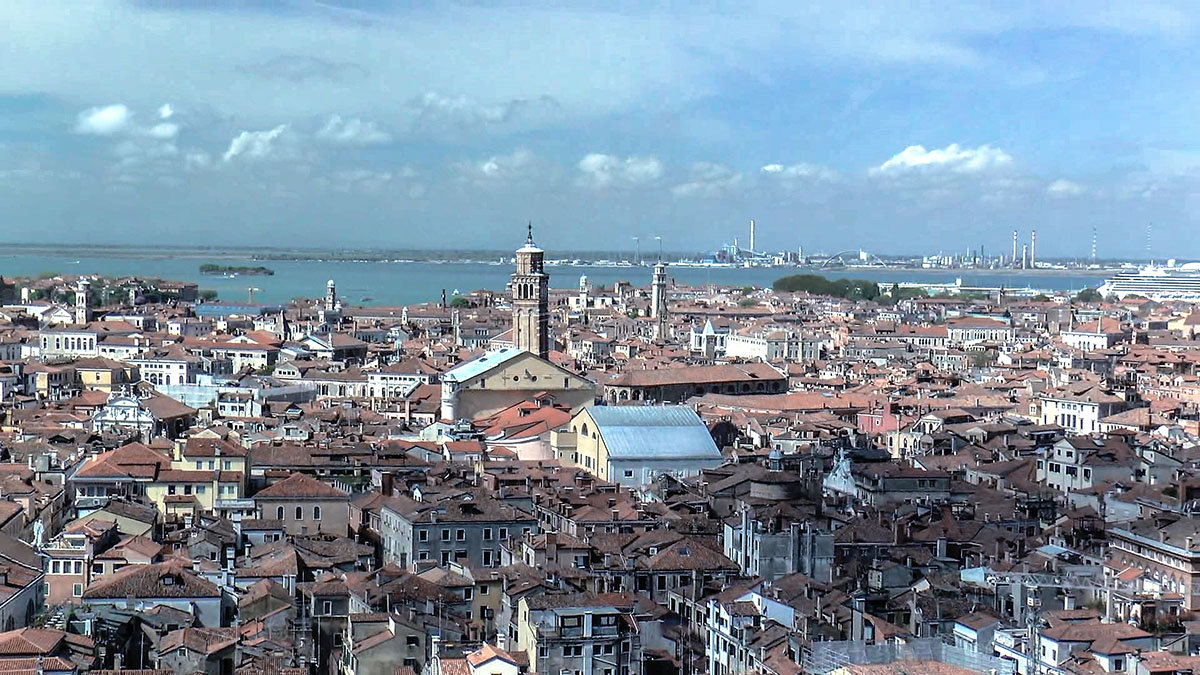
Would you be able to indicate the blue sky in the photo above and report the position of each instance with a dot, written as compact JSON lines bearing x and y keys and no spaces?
{"x":892,"y":126}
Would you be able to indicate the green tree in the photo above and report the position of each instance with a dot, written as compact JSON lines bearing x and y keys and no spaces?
{"x":460,"y":301}
{"x":1089,"y":295}
{"x":206,"y":294}
{"x":983,"y":359}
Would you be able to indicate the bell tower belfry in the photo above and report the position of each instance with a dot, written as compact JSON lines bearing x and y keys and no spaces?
{"x":531,"y":299}
{"x":658,"y":301}
{"x":82,"y":305}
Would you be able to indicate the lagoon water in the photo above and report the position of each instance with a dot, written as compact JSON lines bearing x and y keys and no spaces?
{"x":397,"y":283}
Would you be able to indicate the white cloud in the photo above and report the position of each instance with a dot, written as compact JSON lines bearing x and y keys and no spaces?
{"x":104,"y":120}
{"x":952,"y":158}
{"x":1065,"y":188}
{"x":503,"y":165}
{"x":503,"y":170}
{"x":800,"y":171}
{"x":601,"y":171}
{"x":352,"y":132}
{"x":254,"y":144}
{"x":162,"y":130}
{"x":165,"y":111}
{"x":708,"y":179}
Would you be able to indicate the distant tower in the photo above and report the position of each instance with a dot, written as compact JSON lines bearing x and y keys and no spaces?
{"x":658,"y":301}
{"x":1033,"y":249}
{"x":1013,"y":260}
{"x":752,"y":235}
{"x":531,"y":300}
{"x":1024,"y":256}
{"x":331,"y":301}
{"x":1093,"y":243}
{"x":81,"y":301}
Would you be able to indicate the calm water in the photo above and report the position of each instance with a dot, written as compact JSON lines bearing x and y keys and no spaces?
{"x":396,"y":283}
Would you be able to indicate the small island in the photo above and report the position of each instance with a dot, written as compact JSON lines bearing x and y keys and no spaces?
{"x":230,"y":270}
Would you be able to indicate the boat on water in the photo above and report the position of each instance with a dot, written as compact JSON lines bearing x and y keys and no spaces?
{"x":1160,"y":284}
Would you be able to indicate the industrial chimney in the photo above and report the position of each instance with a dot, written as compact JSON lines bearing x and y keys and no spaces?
{"x":752,"y":235}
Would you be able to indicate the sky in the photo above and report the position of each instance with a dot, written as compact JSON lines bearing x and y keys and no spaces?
{"x":892,"y":127}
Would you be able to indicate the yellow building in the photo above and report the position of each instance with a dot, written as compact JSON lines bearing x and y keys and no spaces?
{"x":181,"y":492}
{"x":632,"y":445}
{"x":103,"y":374}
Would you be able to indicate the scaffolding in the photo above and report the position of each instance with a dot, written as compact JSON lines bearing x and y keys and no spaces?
{"x":827,"y":657}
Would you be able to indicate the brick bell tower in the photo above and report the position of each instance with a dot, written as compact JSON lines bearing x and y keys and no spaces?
{"x":531,"y":299}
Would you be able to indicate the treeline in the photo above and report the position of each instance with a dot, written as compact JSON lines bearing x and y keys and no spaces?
{"x":210,"y":268}
{"x":851,"y":289}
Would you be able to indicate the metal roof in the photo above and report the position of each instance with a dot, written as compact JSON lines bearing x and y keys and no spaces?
{"x":483,"y":364}
{"x":653,"y":432}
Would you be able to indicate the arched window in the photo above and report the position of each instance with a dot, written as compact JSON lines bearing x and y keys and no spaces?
{"x":299,"y":513}
{"x":279,"y":513}
{"x":316,"y":513}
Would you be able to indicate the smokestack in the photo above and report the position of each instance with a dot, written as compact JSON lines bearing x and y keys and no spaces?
{"x":1033,"y":249}
{"x":1013,"y":260}
{"x":1024,"y":256}
{"x":752,"y":235}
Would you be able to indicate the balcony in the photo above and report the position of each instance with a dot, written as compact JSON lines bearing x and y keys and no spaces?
{"x":234,"y":505}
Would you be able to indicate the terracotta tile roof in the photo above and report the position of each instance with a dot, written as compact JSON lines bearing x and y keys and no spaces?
{"x":696,"y":375}
{"x":39,"y":666}
{"x":301,"y":486}
{"x":162,"y":580}
{"x":199,"y":640}
{"x":487,"y":653}
{"x":30,"y":641}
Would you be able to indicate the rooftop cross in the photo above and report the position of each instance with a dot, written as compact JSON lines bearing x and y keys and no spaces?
{"x":529,"y":239}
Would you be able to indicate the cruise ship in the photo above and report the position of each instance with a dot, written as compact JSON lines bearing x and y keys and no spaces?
{"x":1161,"y":284}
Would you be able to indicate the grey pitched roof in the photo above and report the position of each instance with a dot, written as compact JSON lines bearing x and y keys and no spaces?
{"x":653,"y":432}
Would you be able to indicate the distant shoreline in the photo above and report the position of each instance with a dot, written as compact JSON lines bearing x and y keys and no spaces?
{"x":599,"y":259}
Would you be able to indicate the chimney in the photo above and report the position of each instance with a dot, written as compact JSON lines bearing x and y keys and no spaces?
{"x":551,"y":546}
{"x":386,"y":483}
